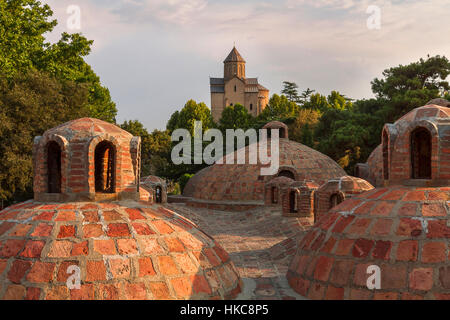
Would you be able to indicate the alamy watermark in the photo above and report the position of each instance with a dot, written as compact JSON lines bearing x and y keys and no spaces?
{"x":374,"y":20}
{"x":258,"y":151}
{"x":74,"y":20}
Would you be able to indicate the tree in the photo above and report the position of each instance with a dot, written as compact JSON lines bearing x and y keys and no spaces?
{"x":30,"y":104}
{"x":191,"y":112}
{"x":290,"y":90}
{"x":279,"y":108}
{"x":306,"y":94}
{"x":236,"y":117}
{"x":407,"y":87}
{"x":23,"y":24}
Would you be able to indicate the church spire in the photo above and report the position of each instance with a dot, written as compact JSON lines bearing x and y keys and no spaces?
{"x":234,"y":65}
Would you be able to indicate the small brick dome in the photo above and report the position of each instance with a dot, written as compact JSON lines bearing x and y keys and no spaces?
{"x":124,"y":251}
{"x":244,"y":182}
{"x":273,"y":188}
{"x":403,"y":230}
{"x":415,"y":148}
{"x":86,"y":159}
{"x":283,"y":129}
{"x":154,"y":189}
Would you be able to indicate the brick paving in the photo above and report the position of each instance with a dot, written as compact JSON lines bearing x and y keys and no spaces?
{"x":260,"y":242}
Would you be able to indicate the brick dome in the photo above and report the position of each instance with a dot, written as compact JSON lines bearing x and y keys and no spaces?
{"x":153,"y":189}
{"x":244,"y":182}
{"x":403,"y":230}
{"x":124,"y":251}
{"x":415,"y":148}
{"x":86,"y":159}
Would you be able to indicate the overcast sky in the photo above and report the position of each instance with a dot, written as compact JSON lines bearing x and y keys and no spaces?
{"x":154,"y":55}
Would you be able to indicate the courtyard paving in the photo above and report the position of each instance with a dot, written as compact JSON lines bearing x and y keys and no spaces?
{"x":260,"y":242}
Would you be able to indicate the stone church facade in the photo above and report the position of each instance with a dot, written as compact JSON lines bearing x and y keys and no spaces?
{"x":235,"y":88}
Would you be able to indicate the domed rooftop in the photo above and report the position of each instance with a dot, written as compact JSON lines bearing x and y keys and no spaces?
{"x":280,"y":181}
{"x":124,"y":250}
{"x":244,"y":182}
{"x":403,"y":230}
{"x":347,"y":185}
{"x":117,"y":249}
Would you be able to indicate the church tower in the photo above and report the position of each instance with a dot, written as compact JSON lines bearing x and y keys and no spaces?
{"x":234,"y":64}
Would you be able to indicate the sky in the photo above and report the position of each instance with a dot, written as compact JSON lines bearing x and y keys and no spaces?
{"x":154,"y":55}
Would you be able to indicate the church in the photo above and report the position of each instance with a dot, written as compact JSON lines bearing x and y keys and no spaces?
{"x":235,"y":88}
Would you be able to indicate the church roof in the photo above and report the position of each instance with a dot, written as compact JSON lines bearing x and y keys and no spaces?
{"x":234,"y":56}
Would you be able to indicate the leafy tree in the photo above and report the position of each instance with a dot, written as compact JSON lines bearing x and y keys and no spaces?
{"x":29,"y":105}
{"x":23,"y":24}
{"x":302,"y":129}
{"x":191,"y":112}
{"x":306,"y":94}
{"x":183,"y":180}
{"x":236,"y":117}
{"x":279,"y":108}
{"x":290,"y":90}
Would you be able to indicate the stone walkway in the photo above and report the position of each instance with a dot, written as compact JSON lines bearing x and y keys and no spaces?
{"x":261,"y":243}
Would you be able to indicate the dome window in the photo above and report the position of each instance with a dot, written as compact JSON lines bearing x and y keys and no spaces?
{"x":54,"y":167}
{"x":286,"y":173}
{"x":105,"y":166}
{"x":421,"y":154}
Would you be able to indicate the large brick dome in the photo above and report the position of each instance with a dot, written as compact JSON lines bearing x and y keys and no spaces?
{"x":124,"y":251}
{"x":244,"y":182}
{"x":403,"y":230}
{"x":122,"y":248}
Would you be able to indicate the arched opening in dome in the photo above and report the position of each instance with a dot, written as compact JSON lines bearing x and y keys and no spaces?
{"x":421,"y":154}
{"x":385,"y":155}
{"x":281,"y":133}
{"x":105,"y":167}
{"x":158,"y":194}
{"x":274,"y":194}
{"x":54,"y":167}
{"x":292,"y":201}
{"x":335,"y":199}
{"x":286,"y":173}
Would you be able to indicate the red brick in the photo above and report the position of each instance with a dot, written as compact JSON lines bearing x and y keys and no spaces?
{"x":341,"y":272}
{"x":444,"y":277}
{"x":3,"y":263}
{"x":409,"y":227}
{"x":382,"y":250}
{"x":127,"y":246}
{"x":342,"y":223}
{"x":212,"y":258}
{"x":223,"y":255}
{"x":200,"y":284}
{"x":362,"y":248}
{"x":438,"y":229}
{"x":185,"y":263}
{"x":80,"y":249}
{"x":112,"y":216}
{"x":20,"y":230}
{"x":316,"y":291}
{"x":45,"y":216}
{"x":41,"y":272}
{"x":33,"y":293}
{"x":334,"y":293}
{"x":359,"y":227}
{"x":358,"y":294}
{"x":42,"y":230}
{"x":66,"y":216}
{"x":385,"y":296}
{"x":60,"y":249}
{"x":159,"y":291}
{"x":134,"y":214}
{"x":143,"y":229}
{"x":134,"y":291}
{"x":182,"y":287}
{"x":58,"y":293}
{"x":381,"y":227}
{"x":323,"y":268}
{"x":62,"y":270}
{"x":174,"y":245}
{"x":33,"y":249}
{"x":407,"y":250}
{"x":86,"y":292}
{"x":92,"y":230}
{"x":18,"y":270}
{"x":67,"y":231}
{"x":329,"y":245}
{"x":95,"y":271}
{"x":408,"y":209}
{"x":162,"y":227}
{"x":360,"y":277}
{"x":344,"y":247}
{"x":433,"y":210}
{"x":11,"y":248}
{"x":382,"y":209}
{"x":433,"y":252}
{"x":393,"y":276}
{"x":415,"y":196}
{"x":421,"y":279}
{"x":5,"y":227}
{"x":410,"y":296}
{"x":107,"y":292}
{"x":105,"y":247}
{"x":91,"y":216}
{"x":14,"y":292}
{"x":167,"y":266}
{"x":120,"y":268}
{"x":146,"y":267}
{"x":150,"y":246}
{"x":118,"y":230}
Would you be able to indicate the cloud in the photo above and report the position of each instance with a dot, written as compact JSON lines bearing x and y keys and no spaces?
{"x":174,"y":45}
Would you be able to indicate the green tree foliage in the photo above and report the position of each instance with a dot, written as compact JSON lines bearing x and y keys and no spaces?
{"x":23,"y":24}
{"x":279,"y":108}
{"x":183,"y":180}
{"x":191,"y":112}
{"x":236,"y":117}
{"x":29,"y":105}
{"x":290,"y":90}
